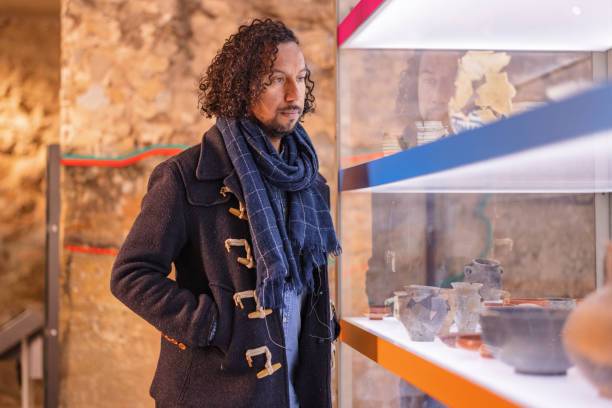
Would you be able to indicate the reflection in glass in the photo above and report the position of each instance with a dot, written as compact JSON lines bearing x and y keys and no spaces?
{"x":392,"y":100}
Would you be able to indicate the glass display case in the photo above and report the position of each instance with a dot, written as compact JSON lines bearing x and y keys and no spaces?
{"x":475,"y":155}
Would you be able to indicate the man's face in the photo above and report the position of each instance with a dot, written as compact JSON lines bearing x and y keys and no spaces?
{"x":437,"y":72}
{"x":281,"y":103}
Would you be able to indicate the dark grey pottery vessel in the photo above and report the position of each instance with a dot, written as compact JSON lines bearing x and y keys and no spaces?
{"x":528,"y":338}
{"x":422,"y":311}
{"x":488,"y":272}
{"x":492,"y":330}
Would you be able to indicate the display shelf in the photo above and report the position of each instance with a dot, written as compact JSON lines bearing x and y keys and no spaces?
{"x":562,"y":147}
{"x":472,"y":24}
{"x":461,"y":378}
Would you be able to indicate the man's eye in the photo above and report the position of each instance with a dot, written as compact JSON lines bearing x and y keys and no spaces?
{"x":302,"y":79}
{"x":277,"y":80}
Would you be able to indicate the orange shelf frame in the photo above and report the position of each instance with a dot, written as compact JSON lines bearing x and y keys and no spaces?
{"x":446,"y":386}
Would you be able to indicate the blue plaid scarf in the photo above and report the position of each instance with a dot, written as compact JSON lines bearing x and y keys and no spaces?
{"x":295,"y":249}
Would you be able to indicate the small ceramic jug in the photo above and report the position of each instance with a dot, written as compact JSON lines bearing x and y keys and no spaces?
{"x":394,"y":302}
{"x":422,"y":311}
{"x":488,"y":272}
{"x":468,"y":306}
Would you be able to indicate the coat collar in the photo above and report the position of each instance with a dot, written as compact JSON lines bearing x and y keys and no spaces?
{"x":214,"y":162}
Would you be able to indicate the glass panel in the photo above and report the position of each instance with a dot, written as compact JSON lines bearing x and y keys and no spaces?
{"x":544,"y":242}
{"x":391,"y":100}
{"x":368,"y":385}
{"x":344,"y":8}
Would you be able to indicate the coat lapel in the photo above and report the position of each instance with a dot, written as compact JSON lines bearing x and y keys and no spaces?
{"x":214,"y":163}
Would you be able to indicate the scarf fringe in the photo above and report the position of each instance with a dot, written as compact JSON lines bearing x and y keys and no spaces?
{"x":310,"y":261}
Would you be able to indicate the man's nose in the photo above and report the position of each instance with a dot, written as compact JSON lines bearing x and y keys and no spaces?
{"x":291,"y":90}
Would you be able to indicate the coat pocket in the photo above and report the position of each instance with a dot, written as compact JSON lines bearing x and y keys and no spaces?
{"x":172,"y":373}
{"x":224,"y":300}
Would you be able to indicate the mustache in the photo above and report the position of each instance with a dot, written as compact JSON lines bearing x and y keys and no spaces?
{"x":291,"y":108}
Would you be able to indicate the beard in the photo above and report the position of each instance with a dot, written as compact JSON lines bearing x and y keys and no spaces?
{"x":278,"y":127}
{"x":278,"y":130}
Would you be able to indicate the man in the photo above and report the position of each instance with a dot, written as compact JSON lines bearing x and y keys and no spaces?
{"x":244,"y":217}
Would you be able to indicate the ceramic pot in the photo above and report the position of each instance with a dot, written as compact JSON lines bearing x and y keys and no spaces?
{"x":489,"y":273}
{"x":468,"y":305}
{"x":587,"y":336}
{"x":528,"y":338}
{"x":422,"y":311}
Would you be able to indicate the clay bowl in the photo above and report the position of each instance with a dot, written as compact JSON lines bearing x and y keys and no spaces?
{"x":496,"y":303}
{"x":556,"y":303}
{"x":470,"y":341}
{"x":521,"y":301}
{"x":450,"y":339}
{"x":528,"y":338}
{"x":378,"y":312}
{"x":485,"y":352}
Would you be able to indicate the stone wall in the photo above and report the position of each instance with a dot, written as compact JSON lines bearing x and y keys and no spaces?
{"x":129,"y":80}
{"x":29,"y":120}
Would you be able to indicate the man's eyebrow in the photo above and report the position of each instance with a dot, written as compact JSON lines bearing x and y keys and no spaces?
{"x":278,"y":71}
{"x":427,"y":71}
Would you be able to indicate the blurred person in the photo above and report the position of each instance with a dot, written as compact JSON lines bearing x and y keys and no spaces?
{"x":426,"y":86}
{"x":244,"y":217}
{"x":436,"y":87}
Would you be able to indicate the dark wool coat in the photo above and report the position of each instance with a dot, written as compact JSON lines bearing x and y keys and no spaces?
{"x":186,"y":219}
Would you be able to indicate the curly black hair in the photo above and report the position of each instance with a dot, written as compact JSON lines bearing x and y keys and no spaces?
{"x":235,"y":78}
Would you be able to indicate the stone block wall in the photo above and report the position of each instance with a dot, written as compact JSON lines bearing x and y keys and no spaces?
{"x":29,"y":113}
{"x":29,"y":120}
